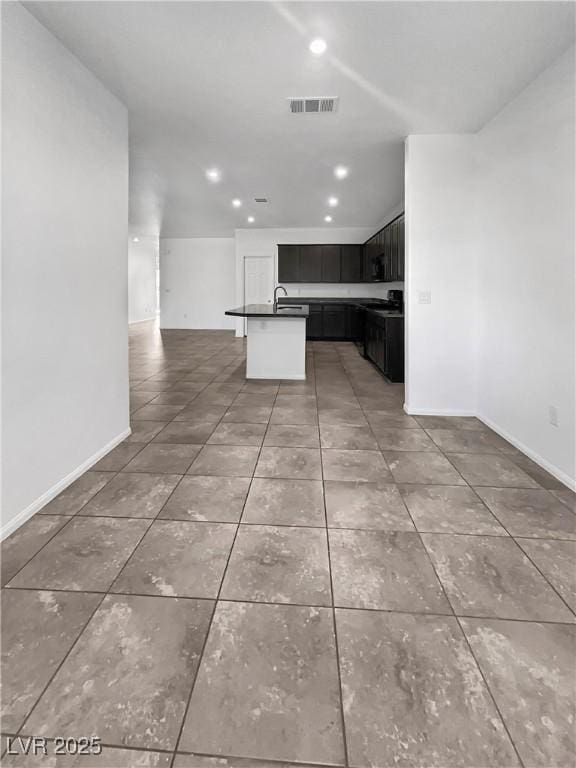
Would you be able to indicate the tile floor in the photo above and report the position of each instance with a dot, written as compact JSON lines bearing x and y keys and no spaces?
{"x":276,"y":573}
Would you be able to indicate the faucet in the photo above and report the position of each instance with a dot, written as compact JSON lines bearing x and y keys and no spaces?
{"x":276,"y":297}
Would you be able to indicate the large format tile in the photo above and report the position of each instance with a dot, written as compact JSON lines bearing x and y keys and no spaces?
{"x":466,"y":440}
{"x":268,"y":686}
{"x":449,"y":509}
{"x":23,"y":544}
{"x":490,"y":576}
{"x":413,"y":695}
{"x":86,"y":555}
{"x":297,"y":463}
{"x":356,"y":504}
{"x":118,"y":457}
{"x":348,"y":416}
{"x":384,"y":570}
{"x":365,"y":466}
{"x":276,"y":564}
{"x":144,"y":431}
{"x":129,"y":676}
{"x":557,"y":561}
{"x":489,"y":469}
{"x":390,"y":419}
{"x":132,"y":494}
{"x":292,"y":436}
{"x":225,"y":461}
{"x":533,"y":513}
{"x":77,"y":494}
{"x":157,"y":412}
{"x":201,"y":412}
{"x":248,"y":414}
{"x":38,"y":629}
{"x":530,"y":670}
{"x":219,"y":499}
{"x":178,"y":559}
{"x":201,"y":761}
{"x":274,"y":501}
{"x":450,"y":422}
{"x":391,"y":439}
{"x":163,"y":458}
{"x":238,"y":434}
{"x":426,"y":468}
{"x":346,"y":437}
{"x":186,"y":432}
{"x":294,"y":414}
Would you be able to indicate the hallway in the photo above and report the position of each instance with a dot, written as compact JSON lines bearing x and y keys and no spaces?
{"x":293,"y":573}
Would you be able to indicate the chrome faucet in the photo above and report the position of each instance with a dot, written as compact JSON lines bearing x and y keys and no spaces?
{"x":276,"y":296}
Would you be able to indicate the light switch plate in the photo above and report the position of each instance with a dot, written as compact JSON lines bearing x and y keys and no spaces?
{"x":424,"y":297}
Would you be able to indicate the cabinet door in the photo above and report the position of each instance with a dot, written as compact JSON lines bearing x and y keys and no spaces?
{"x":351,"y":263}
{"x":334,"y":322}
{"x":288,"y":263}
{"x":394,"y":360}
{"x":314,"y":322}
{"x":330,"y":263}
{"x":310,"y":263}
{"x":401,"y":248}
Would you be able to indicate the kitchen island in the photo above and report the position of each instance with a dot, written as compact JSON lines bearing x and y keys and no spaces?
{"x":276,"y":340}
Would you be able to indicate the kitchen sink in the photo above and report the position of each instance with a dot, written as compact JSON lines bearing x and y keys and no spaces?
{"x":288,"y":306}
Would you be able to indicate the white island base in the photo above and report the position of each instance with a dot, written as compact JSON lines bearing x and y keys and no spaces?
{"x":276,"y":348}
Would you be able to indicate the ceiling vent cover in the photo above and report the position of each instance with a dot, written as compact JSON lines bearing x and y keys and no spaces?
{"x":260,"y":199}
{"x":313,"y":105}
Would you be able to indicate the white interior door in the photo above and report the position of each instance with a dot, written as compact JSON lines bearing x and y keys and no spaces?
{"x":258,"y":281}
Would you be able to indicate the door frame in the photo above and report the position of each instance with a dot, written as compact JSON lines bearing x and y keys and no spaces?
{"x":244,"y":260}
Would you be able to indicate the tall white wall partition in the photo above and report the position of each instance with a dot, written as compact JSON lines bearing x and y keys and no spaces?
{"x":64,"y":281}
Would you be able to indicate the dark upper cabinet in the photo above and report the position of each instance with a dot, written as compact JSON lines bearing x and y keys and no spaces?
{"x":331,"y":264}
{"x":394,"y":251}
{"x":351,"y":263}
{"x":289,"y":263}
{"x":310,"y":263}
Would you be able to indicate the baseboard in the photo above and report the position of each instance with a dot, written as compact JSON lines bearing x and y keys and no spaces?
{"x":557,"y":473}
{"x":435,"y":412}
{"x":144,"y":320}
{"x":50,"y":494}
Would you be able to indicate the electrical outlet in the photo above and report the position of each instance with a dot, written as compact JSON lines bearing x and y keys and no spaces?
{"x":553,"y":415}
{"x":425,"y":297}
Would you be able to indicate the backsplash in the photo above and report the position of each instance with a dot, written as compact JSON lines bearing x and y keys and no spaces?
{"x":369,"y":290}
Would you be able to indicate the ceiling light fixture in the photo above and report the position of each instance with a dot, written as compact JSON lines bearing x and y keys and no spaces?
{"x":340,"y":172}
{"x":318,"y":46}
{"x":237,"y":203}
{"x":251,"y":219}
{"x":135,"y":239}
{"x":328,"y":219}
{"x":213,"y":175}
{"x":332,"y":202}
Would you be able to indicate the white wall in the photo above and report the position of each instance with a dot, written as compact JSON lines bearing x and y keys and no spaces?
{"x":142,"y":295}
{"x":263,"y":242}
{"x":526,"y":268}
{"x":441,"y":339}
{"x":197,"y":282}
{"x":64,"y":286}
{"x":490,"y":233}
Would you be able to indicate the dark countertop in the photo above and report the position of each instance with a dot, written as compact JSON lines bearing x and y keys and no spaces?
{"x":370,"y":305}
{"x":267,"y":310}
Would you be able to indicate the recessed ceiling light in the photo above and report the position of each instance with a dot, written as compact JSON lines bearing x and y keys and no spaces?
{"x":318,"y":46}
{"x":135,"y":239}
{"x":332,"y":202}
{"x":251,"y":219}
{"x":328,"y":219}
{"x":340,"y":172}
{"x":213,"y":174}
{"x":236,"y":203}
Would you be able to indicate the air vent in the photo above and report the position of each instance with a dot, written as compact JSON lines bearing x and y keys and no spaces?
{"x":260,"y":199}
{"x":313,"y":105}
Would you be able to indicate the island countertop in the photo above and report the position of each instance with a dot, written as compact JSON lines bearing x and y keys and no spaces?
{"x":268,"y":311}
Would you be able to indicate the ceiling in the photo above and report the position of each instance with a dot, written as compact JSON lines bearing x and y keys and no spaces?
{"x":206,"y":84}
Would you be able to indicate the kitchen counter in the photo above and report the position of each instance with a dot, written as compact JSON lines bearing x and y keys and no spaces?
{"x":275,"y":340}
{"x":267,"y":310}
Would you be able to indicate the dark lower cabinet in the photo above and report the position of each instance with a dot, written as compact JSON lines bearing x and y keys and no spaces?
{"x":384,"y":345}
{"x":335,"y":323}
{"x":314,"y":322}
